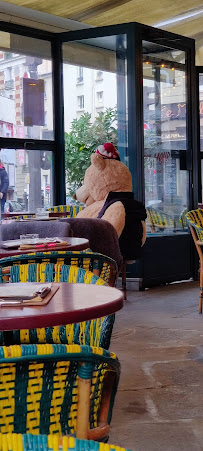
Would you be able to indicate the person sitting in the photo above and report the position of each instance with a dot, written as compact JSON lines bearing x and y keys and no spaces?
{"x":4,"y":184}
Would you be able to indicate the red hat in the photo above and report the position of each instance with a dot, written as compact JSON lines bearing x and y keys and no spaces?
{"x":107,"y":150}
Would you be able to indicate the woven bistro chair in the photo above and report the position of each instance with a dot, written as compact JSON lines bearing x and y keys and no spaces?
{"x":182,"y":218}
{"x":57,"y":389}
{"x":72,"y":267}
{"x":30,"y":442}
{"x":194,"y":219}
{"x":159,"y":219}
{"x":68,"y":210}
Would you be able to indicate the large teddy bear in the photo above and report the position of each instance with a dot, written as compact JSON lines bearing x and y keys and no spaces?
{"x":107,"y":193}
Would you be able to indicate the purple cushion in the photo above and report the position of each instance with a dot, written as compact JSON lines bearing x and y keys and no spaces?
{"x":101,"y":235}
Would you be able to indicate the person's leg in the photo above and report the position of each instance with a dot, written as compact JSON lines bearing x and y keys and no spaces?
{"x":2,"y":204}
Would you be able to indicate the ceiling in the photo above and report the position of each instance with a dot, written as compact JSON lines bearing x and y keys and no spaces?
{"x":108,"y":12}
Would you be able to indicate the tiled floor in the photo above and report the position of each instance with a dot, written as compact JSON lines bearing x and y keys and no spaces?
{"x":158,"y":337}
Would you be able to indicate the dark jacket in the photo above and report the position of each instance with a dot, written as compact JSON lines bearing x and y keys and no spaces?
{"x":130,"y":240}
{"x":4,"y":182}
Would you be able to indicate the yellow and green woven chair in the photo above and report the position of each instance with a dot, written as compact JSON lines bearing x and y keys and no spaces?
{"x":159,"y":219}
{"x":182,"y":218}
{"x":57,"y":389}
{"x":30,"y":442}
{"x":69,"y":210}
{"x":194,"y":219}
{"x":72,"y":267}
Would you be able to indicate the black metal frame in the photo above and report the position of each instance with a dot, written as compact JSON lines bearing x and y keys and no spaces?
{"x":56,"y":145}
{"x":199,"y":70}
{"x":135,"y":34}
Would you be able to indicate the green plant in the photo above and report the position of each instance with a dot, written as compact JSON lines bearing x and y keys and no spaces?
{"x":82,"y":141}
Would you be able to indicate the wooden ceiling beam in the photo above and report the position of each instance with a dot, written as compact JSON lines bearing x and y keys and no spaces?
{"x":100,"y":8}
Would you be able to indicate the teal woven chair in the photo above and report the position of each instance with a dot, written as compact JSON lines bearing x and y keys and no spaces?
{"x":30,"y":442}
{"x":72,"y":267}
{"x":44,"y":388}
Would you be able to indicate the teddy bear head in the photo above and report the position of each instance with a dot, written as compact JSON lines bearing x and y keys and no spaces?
{"x":105,"y":174}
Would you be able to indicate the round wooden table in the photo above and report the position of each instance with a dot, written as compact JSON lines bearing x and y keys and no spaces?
{"x":76,"y":244}
{"x":70,"y":304}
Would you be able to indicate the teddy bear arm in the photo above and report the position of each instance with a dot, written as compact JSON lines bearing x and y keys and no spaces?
{"x":115,"y":214}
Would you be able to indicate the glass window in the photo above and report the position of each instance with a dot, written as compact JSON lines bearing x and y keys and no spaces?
{"x":30,"y":179}
{"x":201,"y":109}
{"x":80,"y":75}
{"x":80,"y":102}
{"x":25,"y":63}
{"x":94,"y":111}
{"x":165,"y":139}
{"x":100,"y":95}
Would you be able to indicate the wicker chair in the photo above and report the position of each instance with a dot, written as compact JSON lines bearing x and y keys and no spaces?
{"x":182,"y":218}
{"x":68,"y":210}
{"x":194,"y":219}
{"x":30,"y":442}
{"x":57,"y":389}
{"x":159,"y":219}
{"x":72,"y":267}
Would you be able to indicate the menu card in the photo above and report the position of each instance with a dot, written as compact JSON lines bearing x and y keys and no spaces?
{"x":25,"y":294}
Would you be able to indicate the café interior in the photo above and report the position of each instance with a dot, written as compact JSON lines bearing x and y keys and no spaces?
{"x":100,"y":348}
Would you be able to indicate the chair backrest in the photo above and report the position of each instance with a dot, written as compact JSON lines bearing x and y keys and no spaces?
{"x":101,"y":235}
{"x":72,"y":267}
{"x":182,"y":218}
{"x":30,"y":442}
{"x":70,"y":210}
{"x":195,"y":220}
{"x":43,"y":228}
{"x":61,"y":266}
{"x":39,"y":388}
{"x":160,"y":219}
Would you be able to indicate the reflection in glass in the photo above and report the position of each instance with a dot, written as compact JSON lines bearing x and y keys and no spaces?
{"x":26,"y":99}
{"x":30,"y":179}
{"x":95,"y":107}
{"x":165,"y":139}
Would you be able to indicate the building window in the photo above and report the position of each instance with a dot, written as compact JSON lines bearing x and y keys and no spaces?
{"x":99,"y":75}
{"x":79,"y":74}
{"x":80,"y":102}
{"x":45,"y":118}
{"x":100,"y":96}
{"x":45,"y":90}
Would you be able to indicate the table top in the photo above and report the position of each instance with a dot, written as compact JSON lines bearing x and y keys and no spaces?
{"x":70,"y":304}
{"x":76,"y":244}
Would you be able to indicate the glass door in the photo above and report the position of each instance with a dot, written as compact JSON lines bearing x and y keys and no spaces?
{"x":165,"y":139}
{"x":199,"y":78}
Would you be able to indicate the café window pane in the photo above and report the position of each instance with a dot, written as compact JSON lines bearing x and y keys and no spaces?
{"x":201,"y":110}
{"x":30,"y":175}
{"x":25,"y":64}
{"x":165,"y":138}
{"x":95,"y":111}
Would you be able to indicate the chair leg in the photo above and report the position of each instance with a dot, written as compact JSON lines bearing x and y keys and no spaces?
{"x":123,"y":276}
